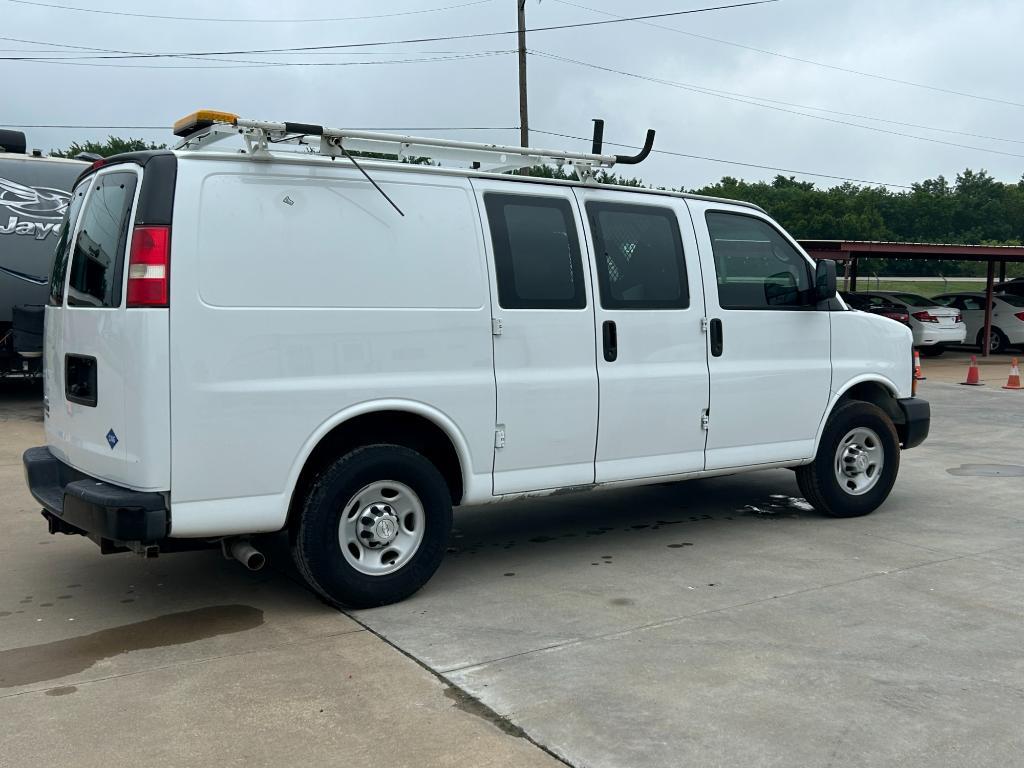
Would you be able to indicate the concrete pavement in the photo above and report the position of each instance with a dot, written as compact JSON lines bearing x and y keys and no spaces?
{"x":191,"y":660}
{"x":713,"y":623}
{"x":722,"y":623}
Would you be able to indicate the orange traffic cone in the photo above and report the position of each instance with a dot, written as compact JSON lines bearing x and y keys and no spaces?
{"x":1014,"y":381}
{"x":973,"y":375}
{"x":917,"y":367}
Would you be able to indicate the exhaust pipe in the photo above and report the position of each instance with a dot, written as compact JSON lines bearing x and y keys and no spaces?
{"x":247,"y":554}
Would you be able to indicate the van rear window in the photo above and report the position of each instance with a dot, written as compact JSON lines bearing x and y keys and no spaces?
{"x":98,"y":256}
{"x":63,"y":252}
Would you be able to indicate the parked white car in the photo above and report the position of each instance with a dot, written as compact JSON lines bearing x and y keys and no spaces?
{"x":934,"y":325}
{"x":1007,"y":318}
{"x":240,"y":342}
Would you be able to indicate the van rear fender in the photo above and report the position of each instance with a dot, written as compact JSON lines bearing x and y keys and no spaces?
{"x":400,"y":422}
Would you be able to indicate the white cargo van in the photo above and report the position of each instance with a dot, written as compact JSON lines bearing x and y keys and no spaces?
{"x":243,"y":340}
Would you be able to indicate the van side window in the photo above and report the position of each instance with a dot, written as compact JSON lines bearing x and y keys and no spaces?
{"x":63,"y":251}
{"x":756,"y":266}
{"x":536,"y":252}
{"x":639,"y":257}
{"x":98,"y":254}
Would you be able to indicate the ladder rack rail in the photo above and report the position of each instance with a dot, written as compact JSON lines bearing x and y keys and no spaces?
{"x":201,"y":130}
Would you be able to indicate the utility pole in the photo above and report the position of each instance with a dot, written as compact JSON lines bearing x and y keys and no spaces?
{"x":524,"y":120}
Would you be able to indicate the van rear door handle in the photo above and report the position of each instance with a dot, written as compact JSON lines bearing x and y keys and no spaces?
{"x":716,"y":337}
{"x":611,"y":341}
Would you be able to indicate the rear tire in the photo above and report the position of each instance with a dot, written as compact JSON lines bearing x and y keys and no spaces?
{"x":997,"y":343}
{"x":840,"y":481}
{"x":373,"y":528}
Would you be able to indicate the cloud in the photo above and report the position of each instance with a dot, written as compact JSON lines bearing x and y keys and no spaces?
{"x":953,"y":45}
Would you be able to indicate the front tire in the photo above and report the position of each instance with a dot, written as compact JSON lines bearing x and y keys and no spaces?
{"x":373,"y":528}
{"x":856,"y":464}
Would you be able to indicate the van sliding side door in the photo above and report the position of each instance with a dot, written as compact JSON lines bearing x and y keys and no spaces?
{"x":652,"y":357}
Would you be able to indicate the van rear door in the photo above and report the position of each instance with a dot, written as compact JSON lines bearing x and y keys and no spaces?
{"x":106,"y":364}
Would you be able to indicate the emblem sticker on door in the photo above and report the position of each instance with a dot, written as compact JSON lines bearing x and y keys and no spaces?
{"x":112,"y":439}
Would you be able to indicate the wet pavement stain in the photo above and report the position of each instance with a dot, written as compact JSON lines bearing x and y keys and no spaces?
{"x":4,"y":613}
{"x":62,"y":690}
{"x":778,"y":505}
{"x":621,"y":601}
{"x":987,"y":470}
{"x":48,"y":661}
{"x":683,"y":544}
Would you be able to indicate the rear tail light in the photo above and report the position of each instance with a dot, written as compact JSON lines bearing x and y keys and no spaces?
{"x":925,"y":317}
{"x":959,"y":317}
{"x":149,"y":267}
{"x":1019,"y":315}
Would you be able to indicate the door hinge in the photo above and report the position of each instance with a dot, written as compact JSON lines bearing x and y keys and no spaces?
{"x":499,"y":437}
{"x":496,"y":326}
{"x":704,"y":323}
{"x":705,"y":419}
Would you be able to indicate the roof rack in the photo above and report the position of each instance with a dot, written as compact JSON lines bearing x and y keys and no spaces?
{"x":201,"y":129}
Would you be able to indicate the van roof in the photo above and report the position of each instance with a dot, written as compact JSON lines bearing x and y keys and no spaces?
{"x":296,"y":158}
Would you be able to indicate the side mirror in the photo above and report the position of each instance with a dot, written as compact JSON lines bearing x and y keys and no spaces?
{"x":825,"y":280}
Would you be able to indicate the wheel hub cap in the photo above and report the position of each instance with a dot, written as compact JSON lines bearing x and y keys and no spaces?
{"x":381,"y":527}
{"x":859,"y":461}
{"x":377,"y":526}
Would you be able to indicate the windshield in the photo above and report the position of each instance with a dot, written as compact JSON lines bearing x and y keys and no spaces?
{"x":915,"y":300}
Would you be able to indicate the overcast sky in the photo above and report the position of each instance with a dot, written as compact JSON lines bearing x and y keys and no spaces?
{"x":972,"y":47}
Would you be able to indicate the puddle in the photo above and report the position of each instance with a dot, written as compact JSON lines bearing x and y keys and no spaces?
{"x":987,"y":470}
{"x":778,"y":505}
{"x":49,"y":661}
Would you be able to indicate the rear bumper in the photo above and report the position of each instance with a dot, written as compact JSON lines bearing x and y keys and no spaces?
{"x":917,"y":418}
{"x":73,"y":503}
{"x":930,"y":336}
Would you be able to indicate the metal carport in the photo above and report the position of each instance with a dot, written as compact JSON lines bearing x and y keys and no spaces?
{"x":849,"y":251}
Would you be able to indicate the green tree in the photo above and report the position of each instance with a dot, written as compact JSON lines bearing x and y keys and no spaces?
{"x":114,"y":145}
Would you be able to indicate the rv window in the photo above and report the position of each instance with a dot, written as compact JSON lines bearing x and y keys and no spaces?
{"x":536,"y":252}
{"x":98,"y":255}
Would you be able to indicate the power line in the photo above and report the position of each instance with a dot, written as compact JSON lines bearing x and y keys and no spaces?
{"x":243,"y":20}
{"x":732,"y":162}
{"x":238,"y":61}
{"x":266,"y":64}
{"x":885,"y":78}
{"x":746,"y":100}
{"x":701,"y":88}
{"x":356,"y":128}
{"x":409,"y":41}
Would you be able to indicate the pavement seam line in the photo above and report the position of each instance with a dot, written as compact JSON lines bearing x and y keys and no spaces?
{"x":484,"y":711}
{"x":708,"y":612}
{"x":187,"y":662}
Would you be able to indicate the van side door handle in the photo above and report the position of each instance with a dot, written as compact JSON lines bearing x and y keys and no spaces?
{"x":611,"y":340}
{"x":715,"y":330}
